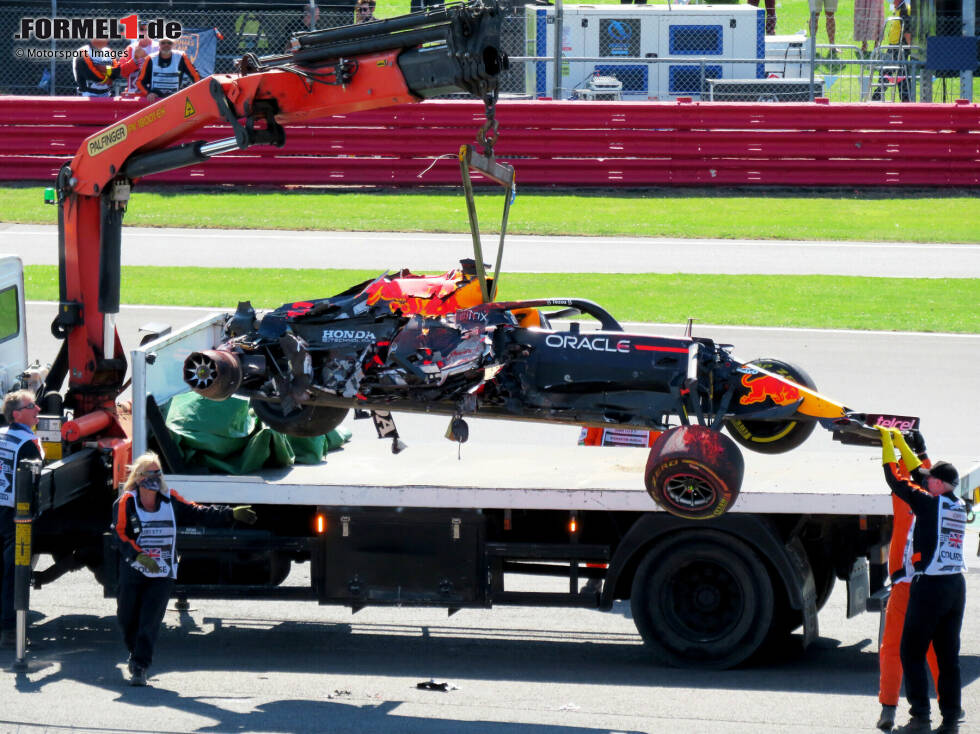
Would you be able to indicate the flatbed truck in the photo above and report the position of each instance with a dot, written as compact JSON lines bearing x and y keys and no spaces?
{"x":428,"y":528}
{"x":417,"y":529}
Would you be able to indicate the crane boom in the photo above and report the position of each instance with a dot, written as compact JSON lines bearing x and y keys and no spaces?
{"x":454,"y":48}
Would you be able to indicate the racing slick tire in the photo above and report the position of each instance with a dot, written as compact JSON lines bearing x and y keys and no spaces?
{"x":694,"y":472}
{"x":702,"y":599}
{"x":304,"y":422}
{"x":774,"y":437}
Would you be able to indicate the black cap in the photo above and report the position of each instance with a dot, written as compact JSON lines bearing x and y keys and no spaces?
{"x":946,"y":472}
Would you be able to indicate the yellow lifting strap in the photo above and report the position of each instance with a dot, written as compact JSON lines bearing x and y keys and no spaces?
{"x":503,"y":174}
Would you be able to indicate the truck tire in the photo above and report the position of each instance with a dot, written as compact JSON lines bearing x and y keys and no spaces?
{"x":694,"y":472}
{"x":702,"y":599}
{"x":775,"y":437}
{"x":307,"y":421}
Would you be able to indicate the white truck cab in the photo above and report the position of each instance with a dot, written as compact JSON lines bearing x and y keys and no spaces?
{"x":13,"y":334}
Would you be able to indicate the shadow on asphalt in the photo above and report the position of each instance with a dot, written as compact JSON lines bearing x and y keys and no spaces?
{"x":88,"y":649}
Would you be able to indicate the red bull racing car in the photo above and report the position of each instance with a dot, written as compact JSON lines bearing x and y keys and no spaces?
{"x":404,"y":342}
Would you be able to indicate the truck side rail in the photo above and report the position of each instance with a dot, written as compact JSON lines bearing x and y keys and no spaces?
{"x":157,"y":368}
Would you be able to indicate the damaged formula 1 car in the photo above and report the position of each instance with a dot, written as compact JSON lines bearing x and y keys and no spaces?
{"x":404,"y":342}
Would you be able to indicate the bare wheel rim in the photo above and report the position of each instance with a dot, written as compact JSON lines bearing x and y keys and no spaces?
{"x":705,"y":601}
{"x":689,"y":491}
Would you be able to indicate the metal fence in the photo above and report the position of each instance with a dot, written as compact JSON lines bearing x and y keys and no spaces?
{"x":241,"y":30}
{"x":605,"y":52}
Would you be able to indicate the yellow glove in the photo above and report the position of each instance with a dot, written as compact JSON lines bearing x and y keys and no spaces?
{"x":908,"y":455}
{"x":245,"y":514}
{"x":887,"y":447}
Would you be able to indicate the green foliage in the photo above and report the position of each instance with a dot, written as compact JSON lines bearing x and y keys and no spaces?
{"x":817,"y":301}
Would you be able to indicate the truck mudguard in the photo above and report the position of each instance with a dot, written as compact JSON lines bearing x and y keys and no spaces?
{"x":755,"y":530}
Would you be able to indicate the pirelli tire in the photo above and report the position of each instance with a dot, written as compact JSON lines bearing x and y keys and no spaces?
{"x":702,"y":599}
{"x":775,"y":437}
{"x":694,"y":472}
{"x":303,"y":422}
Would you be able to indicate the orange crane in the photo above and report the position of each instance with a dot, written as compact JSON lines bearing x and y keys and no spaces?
{"x":339,"y":70}
{"x":405,"y":59}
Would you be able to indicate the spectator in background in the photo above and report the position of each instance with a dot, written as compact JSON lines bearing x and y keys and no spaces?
{"x":364,"y":11}
{"x":869,"y":21}
{"x":770,"y":15}
{"x":902,"y":31}
{"x":164,"y":71}
{"x":311,"y":16}
{"x":137,"y":53}
{"x":93,"y":69}
{"x":829,"y":8}
{"x":898,"y":37}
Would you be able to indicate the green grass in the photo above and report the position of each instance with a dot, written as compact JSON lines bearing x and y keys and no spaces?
{"x":753,"y":300}
{"x":954,"y":217}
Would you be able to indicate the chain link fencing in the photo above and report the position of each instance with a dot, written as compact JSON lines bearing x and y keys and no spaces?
{"x":242,"y":28}
{"x":718,"y":52}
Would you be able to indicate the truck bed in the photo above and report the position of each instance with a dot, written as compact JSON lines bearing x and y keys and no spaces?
{"x":364,"y":473}
{"x":832,"y":480}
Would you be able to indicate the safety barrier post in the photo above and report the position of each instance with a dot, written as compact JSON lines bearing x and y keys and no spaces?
{"x":969,"y":29}
{"x":559,"y":20}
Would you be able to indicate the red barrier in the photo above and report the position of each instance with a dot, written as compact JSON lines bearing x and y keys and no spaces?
{"x":563,"y":144}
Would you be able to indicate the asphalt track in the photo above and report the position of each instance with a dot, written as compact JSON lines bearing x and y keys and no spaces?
{"x":37,"y":245}
{"x":250,"y":666}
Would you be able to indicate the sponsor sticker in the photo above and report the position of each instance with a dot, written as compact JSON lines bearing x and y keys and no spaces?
{"x":353,"y":336}
{"x":106,"y":140}
{"x":588,"y":343}
{"x":762,"y":387}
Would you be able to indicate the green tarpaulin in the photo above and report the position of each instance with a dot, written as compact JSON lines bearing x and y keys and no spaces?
{"x":226,"y":436}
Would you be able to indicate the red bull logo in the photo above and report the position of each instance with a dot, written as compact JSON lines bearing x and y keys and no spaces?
{"x":762,"y":386}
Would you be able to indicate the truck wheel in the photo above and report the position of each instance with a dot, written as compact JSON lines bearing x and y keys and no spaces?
{"x":774,"y":437}
{"x":309,"y":420}
{"x":694,"y":472}
{"x":702,"y":599}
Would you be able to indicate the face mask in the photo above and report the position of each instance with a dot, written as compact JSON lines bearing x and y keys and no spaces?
{"x":150,"y":483}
